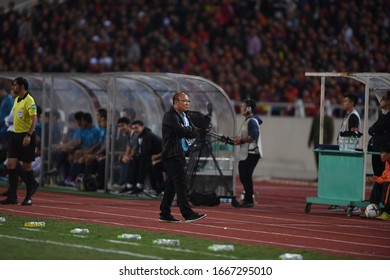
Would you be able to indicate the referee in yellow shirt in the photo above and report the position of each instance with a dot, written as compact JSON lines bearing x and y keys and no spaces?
{"x":22,"y":141}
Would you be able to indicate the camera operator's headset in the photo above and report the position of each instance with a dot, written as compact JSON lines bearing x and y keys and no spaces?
{"x":248,"y":103}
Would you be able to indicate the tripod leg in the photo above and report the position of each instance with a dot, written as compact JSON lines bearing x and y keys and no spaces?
{"x":192,"y":169}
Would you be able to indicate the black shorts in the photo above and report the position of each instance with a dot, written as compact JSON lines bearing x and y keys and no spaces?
{"x":17,"y":150}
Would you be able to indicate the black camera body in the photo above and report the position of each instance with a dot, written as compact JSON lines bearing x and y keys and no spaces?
{"x":203,"y":122}
{"x":200,"y":120}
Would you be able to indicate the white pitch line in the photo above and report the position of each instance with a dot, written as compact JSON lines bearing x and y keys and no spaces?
{"x":32,"y":229}
{"x":293,"y":246}
{"x":229,"y":221}
{"x":180,"y":250}
{"x":101,"y":250}
{"x":123,"y":242}
{"x":263,"y":216}
{"x":196,"y":252}
{"x":216,"y":236}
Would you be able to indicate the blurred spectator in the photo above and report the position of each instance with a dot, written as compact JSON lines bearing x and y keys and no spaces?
{"x":148,"y":144}
{"x":133,"y":50}
{"x":89,"y":142}
{"x":95,"y":161}
{"x":62,"y":153}
{"x":56,"y":129}
{"x":6,"y":104}
{"x":126,"y":158}
{"x":264,"y":45}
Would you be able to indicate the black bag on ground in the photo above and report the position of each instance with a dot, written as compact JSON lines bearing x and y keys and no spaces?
{"x":204,"y":199}
{"x":89,"y":183}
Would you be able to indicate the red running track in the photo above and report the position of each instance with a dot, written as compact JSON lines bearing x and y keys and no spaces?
{"x":277,"y":220}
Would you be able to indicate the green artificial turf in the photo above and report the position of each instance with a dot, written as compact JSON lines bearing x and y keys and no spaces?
{"x":55,"y":242}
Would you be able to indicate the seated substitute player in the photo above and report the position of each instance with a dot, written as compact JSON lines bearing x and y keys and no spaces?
{"x":381,"y":190}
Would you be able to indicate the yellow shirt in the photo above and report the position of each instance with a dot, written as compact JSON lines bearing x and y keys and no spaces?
{"x":24,"y":108}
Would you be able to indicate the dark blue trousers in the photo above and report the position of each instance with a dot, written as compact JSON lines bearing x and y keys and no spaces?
{"x":245,"y":169}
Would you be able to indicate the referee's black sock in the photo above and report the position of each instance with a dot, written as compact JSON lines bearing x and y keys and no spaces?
{"x":29,"y":176}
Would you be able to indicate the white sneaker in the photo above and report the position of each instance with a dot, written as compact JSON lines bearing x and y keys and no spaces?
{"x":356,"y":209}
{"x":335,"y":208}
{"x":151,"y":193}
{"x":126,"y":188}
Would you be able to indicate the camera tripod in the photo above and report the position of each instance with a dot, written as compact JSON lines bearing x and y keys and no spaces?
{"x":203,"y":145}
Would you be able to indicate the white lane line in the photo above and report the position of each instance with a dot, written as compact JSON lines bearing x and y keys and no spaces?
{"x":217,"y":236}
{"x":154,"y":228}
{"x":78,"y":246}
{"x":262,"y":216}
{"x":229,"y":221}
{"x":97,"y":212}
{"x":271,"y":206}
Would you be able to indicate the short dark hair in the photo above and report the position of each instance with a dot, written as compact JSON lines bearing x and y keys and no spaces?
{"x":78,"y":115}
{"x":53,"y":113}
{"x":250,"y":103}
{"x":102,"y":112}
{"x":124,"y":120}
{"x":87,"y":117}
{"x":21,"y":82}
{"x":354,"y":99}
{"x":138,"y":122}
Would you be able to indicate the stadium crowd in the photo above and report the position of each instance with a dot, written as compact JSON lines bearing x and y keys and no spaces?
{"x":257,"y":49}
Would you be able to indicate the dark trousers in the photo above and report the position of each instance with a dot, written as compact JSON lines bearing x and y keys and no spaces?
{"x":380,"y":193}
{"x":176,"y":184}
{"x":157,"y":178}
{"x":141,"y":166}
{"x":97,"y":167}
{"x":378,"y":166}
{"x":125,"y":172}
{"x":27,"y":177}
{"x":245,"y":169}
{"x":62,"y":159}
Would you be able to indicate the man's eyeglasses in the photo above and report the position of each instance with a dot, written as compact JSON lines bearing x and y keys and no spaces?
{"x":184,"y":100}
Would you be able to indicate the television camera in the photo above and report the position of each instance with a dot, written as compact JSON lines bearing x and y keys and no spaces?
{"x":203,"y":122}
{"x":201,"y":148}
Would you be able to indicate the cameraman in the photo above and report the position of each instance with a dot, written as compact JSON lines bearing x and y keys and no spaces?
{"x":249,"y":139}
